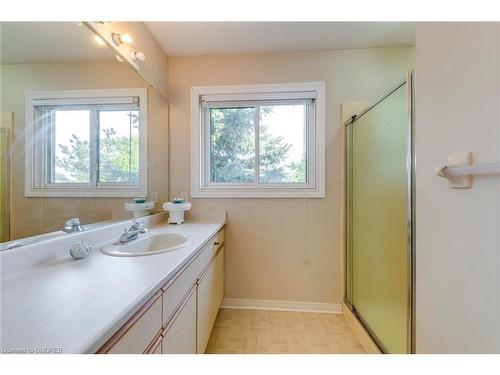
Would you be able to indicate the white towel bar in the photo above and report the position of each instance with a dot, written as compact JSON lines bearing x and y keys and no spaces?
{"x":486,"y":168}
{"x":459,"y":170}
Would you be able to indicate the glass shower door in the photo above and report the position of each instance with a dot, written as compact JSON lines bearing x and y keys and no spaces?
{"x":378,"y":282}
{"x":4,"y":184}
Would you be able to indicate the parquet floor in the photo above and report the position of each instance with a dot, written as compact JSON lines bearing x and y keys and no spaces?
{"x":238,"y":331}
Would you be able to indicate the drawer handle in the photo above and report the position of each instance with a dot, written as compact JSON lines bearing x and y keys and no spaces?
{"x":216,"y":243}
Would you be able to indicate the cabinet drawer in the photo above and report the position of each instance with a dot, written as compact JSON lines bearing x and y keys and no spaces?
{"x":175,"y":292}
{"x":137,"y":338}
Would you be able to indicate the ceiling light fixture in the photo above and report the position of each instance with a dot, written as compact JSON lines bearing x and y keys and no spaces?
{"x":126,"y":38}
{"x":139,"y":56}
{"x":121,"y":39}
{"x":120,"y":43}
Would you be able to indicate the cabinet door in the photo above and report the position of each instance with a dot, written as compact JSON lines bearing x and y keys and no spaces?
{"x":180,"y":337}
{"x":210,"y":293}
{"x":219,"y":280}
{"x":157,"y":349}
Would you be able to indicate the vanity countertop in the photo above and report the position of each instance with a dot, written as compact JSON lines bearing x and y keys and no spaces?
{"x":75,"y":306}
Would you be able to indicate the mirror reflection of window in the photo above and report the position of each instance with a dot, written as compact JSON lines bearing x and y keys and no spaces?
{"x":86,"y":143}
{"x":86,"y":153}
{"x":70,"y":151}
{"x":118,"y":146}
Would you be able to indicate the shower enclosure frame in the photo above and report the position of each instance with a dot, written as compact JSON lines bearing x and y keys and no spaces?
{"x":5,"y":169}
{"x":410,"y":219}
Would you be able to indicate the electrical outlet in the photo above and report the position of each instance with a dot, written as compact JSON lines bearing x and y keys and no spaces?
{"x":304,"y":260}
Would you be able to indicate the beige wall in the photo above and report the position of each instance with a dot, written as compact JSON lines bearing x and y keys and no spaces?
{"x":267,"y":238}
{"x":457,"y":231}
{"x":32,"y":216}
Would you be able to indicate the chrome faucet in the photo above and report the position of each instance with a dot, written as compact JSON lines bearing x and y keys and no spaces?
{"x":131,"y":233}
{"x":73,"y":225}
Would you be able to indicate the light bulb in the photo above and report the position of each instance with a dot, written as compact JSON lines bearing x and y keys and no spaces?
{"x":121,"y":39}
{"x":115,"y":37}
{"x":139,"y":56}
{"x":126,"y":38}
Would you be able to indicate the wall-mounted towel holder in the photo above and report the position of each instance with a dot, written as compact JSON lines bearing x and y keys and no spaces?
{"x":460,"y":169}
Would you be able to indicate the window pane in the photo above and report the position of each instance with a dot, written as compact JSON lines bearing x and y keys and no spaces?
{"x":232,"y":144}
{"x":71,"y":152}
{"x":119,"y":146}
{"x":282,"y":144}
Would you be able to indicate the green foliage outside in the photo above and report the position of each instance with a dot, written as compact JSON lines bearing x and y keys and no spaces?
{"x":232,"y":149}
{"x":232,"y":140}
{"x":118,"y":157}
{"x":75,"y":162}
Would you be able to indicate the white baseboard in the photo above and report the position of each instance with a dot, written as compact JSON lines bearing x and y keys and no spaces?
{"x":329,"y":308}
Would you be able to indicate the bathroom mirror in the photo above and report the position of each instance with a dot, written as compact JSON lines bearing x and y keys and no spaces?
{"x":81,"y":132}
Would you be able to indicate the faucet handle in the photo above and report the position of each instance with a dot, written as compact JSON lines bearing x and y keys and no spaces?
{"x":73,"y":225}
{"x":80,"y":249}
{"x":137,"y":225}
{"x":72,"y":222}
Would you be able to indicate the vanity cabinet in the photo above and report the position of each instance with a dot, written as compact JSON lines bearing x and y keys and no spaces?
{"x":157,"y":350}
{"x":180,"y":316}
{"x":155,"y":347}
{"x":210,"y":292}
{"x":178,"y":287}
{"x":180,"y":335}
{"x":135,"y":336}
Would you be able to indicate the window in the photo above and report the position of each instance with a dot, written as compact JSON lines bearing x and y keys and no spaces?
{"x":258,"y":141}
{"x":86,"y":143}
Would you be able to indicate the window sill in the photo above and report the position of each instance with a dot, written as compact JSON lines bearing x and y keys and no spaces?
{"x":115,"y":193}
{"x":256,"y":193}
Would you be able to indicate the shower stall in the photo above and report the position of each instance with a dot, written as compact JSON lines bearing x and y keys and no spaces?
{"x":379,"y":219}
{"x":4,"y":184}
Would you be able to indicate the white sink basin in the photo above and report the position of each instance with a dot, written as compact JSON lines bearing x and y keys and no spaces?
{"x":148,"y":245}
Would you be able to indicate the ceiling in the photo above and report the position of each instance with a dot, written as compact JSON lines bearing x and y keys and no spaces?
{"x":198,"y":38}
{"x":36,"y":42}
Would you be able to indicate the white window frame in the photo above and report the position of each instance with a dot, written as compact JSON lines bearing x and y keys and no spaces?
{"x":35,"y":164}
{"x":315,"y":138}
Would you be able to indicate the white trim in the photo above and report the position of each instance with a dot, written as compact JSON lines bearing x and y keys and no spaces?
{"x":125,"y":100}
{"x":34,"y":188}
{"x":316,"y":307}
{"x":259,"y":96}
{"x":313,"y":189}
{"x":87,"y":93}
